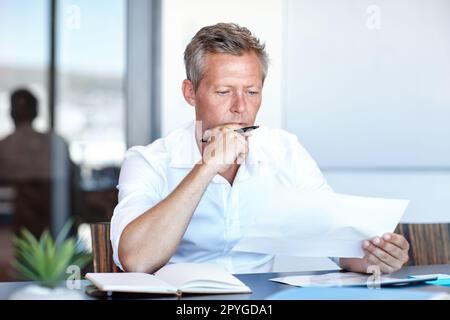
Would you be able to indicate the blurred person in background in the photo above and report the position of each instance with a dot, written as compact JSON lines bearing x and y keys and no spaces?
{"x":27,"y":167}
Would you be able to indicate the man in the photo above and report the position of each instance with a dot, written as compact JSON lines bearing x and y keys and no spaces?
{"x":181,"y":200}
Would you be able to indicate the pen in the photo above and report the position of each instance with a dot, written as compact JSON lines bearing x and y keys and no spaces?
{"x":240,"y":130}
{"x":246,"y":129}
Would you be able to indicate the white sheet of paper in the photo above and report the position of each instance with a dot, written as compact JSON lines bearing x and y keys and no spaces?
{"x":319,"y":224}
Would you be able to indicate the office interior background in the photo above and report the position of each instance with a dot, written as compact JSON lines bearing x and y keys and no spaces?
{"x":365,"y":85}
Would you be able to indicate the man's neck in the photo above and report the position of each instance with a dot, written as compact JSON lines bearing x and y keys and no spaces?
{"x":24,"y":126}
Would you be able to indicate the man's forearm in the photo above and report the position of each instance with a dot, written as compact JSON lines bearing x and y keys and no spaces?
{"x":149,"y":241}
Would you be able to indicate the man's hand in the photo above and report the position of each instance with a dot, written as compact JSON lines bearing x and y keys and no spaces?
{"x":389,"y":253}
{"x":225,"y":147}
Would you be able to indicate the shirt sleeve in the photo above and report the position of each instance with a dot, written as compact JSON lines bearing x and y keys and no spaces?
{"x":140,"y":188}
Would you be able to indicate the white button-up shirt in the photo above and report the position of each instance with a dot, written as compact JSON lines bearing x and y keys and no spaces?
{"x":276,"y":161}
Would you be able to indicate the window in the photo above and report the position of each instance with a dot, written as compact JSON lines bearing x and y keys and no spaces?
{"x":90,"y":102}
{"x":23,"y":57}
{"x":90,"y":110}
{"x":24,"y":54}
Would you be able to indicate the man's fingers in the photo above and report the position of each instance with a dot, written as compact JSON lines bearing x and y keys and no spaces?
{"x":374,"y":260}
{"x":227,"y":129}
{"x":390,"y":248}
{"x":230,"y":146}
{"x":215,"y":133}
{"x":397,"y":240}
{"x":382,"y":255}
{"x":242,"y":146}
{"x":393,"y":250}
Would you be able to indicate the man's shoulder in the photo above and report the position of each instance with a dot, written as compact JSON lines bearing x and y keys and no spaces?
{"x":159,"y":150}
{"x":153,"y":152}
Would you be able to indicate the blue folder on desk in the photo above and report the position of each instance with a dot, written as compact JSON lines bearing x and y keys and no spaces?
{"x":351,"y":293}
{"x":440,"y":282}
{"x":442,"y":279}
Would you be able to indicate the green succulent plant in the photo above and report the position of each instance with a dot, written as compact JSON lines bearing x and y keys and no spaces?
{"x":46,"y":260}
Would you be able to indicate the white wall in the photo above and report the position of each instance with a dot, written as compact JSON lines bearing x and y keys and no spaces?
{"x":182,"y":19}
{"x":361,"y":94}
{"x":368,"y":94}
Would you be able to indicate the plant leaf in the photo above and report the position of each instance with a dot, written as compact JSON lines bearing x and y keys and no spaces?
{"x":26,"y":273}
{"x":64,"y":232}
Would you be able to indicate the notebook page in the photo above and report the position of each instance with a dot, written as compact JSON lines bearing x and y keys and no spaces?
{"x":198,"y":274}
{"x":130,"y":282}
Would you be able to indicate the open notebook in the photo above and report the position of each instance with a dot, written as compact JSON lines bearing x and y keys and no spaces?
{"x":172,"y":279}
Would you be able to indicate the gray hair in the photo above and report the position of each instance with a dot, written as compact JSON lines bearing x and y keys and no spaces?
{"x":221,"y":38}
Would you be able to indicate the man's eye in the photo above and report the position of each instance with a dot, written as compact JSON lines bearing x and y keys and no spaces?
{"x":222,"y":92}
{"x":253,"y":93}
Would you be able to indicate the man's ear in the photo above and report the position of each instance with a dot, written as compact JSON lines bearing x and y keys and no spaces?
{"x":188,"y":92}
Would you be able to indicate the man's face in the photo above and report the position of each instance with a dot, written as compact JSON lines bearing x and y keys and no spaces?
{"x":230,"y":91}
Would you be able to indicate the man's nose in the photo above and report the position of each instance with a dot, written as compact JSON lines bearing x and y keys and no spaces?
{"x":238,"y":103}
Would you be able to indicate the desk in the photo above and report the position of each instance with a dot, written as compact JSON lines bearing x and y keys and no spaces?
{"x":258,"y":282}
